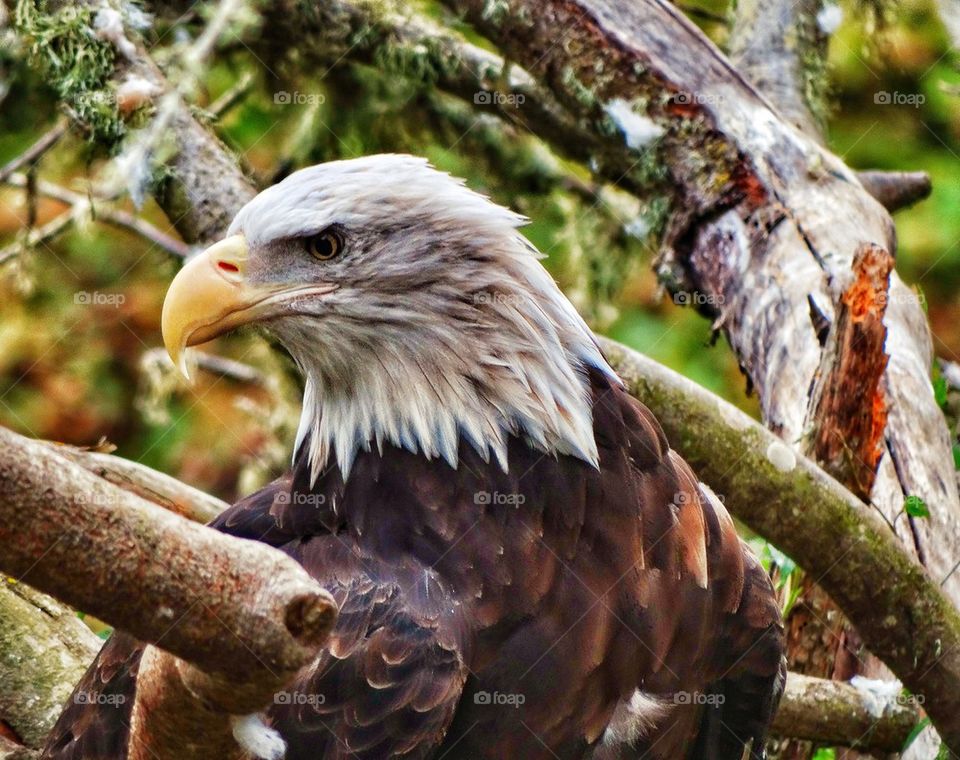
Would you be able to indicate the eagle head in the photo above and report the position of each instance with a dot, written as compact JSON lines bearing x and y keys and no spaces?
{"x":419,"y":315}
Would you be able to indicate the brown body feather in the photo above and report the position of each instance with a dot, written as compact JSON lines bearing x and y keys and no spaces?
{"x":507,"y":615}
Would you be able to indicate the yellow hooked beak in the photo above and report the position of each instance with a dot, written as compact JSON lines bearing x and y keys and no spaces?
{"x":210,"y":296}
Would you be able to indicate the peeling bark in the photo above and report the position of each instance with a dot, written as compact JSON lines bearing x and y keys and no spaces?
{"x":849,"y":410}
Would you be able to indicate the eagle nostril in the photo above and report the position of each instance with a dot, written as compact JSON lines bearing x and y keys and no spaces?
{"x":228,"y":266}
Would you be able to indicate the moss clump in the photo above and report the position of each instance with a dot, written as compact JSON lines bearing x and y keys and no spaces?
{"x":75,"y":62}
{"x":495,"y":11}
{"x":578,"y":90}
{"x":425,"y":62}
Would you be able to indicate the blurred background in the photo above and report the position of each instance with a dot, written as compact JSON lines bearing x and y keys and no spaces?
{"x":79,"y":311}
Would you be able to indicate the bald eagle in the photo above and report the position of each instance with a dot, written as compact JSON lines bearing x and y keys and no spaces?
{"x":524,"y":568}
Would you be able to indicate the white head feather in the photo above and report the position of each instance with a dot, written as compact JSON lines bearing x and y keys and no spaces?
{"x":444,"y":325}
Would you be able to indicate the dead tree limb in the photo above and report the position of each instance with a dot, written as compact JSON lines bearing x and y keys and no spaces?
{"x":896,"y":190}
{"x":236,"y":619}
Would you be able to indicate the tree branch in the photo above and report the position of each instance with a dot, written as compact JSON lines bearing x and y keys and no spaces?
{"x":835,"y":713}
{"x":239,"y":607}
{"x":896,"y":190}
{"x":780,"y":47}
{"x":32,"y":154}
{"x":155,"y":487}
{"x":238,"y":617}
{"x":81,"y":205}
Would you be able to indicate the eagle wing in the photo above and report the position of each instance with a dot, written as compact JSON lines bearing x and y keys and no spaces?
{"x":391,"y":675}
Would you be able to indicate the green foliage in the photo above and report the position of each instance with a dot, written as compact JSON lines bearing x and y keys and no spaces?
{"x":824,"y":753}
{"x":916,"y":507}
{"x":75,"y":62}
{"x":940,"y":391}
{"x":915,"y":732}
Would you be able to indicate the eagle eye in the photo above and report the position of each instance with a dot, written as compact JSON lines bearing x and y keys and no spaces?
{"x":324,"y":245}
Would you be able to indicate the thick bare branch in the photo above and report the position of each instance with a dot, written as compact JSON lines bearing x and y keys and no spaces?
{"x":780,"y":47}
{"x":226,"y":605}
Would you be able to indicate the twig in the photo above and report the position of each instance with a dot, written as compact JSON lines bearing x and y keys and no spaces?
{"x":221,"y":366}
{"x":36,"y":236}
{"x":233,"y":95}
{"x":106,"y":213}
{"x":35,"y":151}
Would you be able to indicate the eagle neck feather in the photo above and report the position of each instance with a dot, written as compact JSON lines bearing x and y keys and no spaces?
{"x":428,"y":386}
